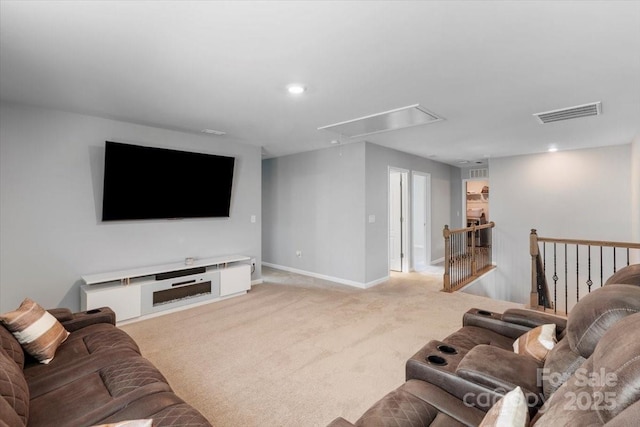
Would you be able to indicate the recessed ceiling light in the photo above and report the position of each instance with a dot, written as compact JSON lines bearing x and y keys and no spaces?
{"x":213,"y":132}
{"x":552,"y":149}
{"x":335,"y":141}
{"x":296,"y":89}
{"x":463,"y":162}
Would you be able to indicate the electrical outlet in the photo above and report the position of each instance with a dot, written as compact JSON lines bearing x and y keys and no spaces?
{"x":299,"y":254}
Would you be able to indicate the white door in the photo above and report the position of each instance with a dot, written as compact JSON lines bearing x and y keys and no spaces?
{"x":398,"y":227}
{"x":395,"y":221}
{"x":421,"y":221}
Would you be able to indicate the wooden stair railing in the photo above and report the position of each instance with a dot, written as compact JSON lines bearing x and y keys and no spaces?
{"x":573,"y":265}
{"x":467,"y":253}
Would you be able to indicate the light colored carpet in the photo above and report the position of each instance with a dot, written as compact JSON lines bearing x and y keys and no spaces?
{"x":298,"y":351}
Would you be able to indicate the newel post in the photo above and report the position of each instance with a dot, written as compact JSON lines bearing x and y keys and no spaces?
{"x":447,"y":258}
{"x":534,"y":250}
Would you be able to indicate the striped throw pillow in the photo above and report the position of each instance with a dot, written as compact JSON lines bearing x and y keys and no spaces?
{"x":537,"y":343}
{"x":511,"y":410}
{"x":36,"y":330}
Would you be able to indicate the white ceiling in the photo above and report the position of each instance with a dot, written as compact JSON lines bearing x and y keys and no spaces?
{"x":485,"y":67}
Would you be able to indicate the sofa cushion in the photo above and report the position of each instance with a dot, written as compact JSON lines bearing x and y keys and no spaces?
{"x":165,"y":408}
{"x":13,"y":389}
{"x":11,"y":346}
{"x":501,"y":370}
{"x":537,"y":342}
{"x":597,"y":312}
{"x":90,"y":397}
{"x":37,"y":330}
{"x":468,"y":337}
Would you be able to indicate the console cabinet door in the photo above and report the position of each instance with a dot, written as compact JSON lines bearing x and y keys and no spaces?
{"x":235,"y":279}
{"x":123,"y":300}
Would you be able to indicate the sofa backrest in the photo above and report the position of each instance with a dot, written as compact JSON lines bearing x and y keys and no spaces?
{"x":589,"y":320}
{"x":14,"y":392}
{"x":597,"y":312}
{"x":606,"y":385}
{"x":11,"y":346}
{"x":629,"y":275}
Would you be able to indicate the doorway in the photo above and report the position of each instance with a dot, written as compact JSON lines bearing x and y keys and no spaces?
{"x":476,"y":202}
{"x":398,"y":214}
{"x":421,"y":220}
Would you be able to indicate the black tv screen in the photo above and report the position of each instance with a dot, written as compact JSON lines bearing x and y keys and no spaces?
{"x":157,"y":183}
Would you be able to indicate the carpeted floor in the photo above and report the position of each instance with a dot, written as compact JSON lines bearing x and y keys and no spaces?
{"x":298,"y":351}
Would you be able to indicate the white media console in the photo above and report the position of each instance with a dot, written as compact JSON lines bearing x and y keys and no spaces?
{"x":147,"y":291}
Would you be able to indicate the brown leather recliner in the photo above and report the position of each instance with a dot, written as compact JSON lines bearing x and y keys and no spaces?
{"x":604,"y":390}
{"x":471,"y":380}
{"x":494,"y":368}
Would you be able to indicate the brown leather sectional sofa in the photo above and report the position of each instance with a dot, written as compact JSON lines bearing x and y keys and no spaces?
{"x":454,"y":382}
{"x":97,"y":376}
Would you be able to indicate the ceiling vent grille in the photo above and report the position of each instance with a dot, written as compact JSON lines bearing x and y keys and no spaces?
{"x":586,"y":110}
{"x":399,"y":118}
{"x":478,"y":173}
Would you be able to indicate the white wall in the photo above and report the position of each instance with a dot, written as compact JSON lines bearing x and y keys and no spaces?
{"x":581,"y":194}
{"x":313,"y":202}
{"x":51,"y":169}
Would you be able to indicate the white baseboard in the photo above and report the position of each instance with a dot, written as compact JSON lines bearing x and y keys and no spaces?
{"x":376,"y":282}
{"x":256,"y":282}
{"x":437,"y":261}
{"x":360,"y":285}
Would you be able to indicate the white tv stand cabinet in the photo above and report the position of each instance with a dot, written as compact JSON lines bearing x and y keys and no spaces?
{"x":149,"y":291}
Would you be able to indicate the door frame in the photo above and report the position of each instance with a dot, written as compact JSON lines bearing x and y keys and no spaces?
{"x":427,"y":210}
{"x":406,"y":216}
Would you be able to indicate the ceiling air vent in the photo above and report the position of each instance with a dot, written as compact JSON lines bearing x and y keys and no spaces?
{"x":400,"y":118}
{"x":586,"y":110}
{"x":478,"y":173}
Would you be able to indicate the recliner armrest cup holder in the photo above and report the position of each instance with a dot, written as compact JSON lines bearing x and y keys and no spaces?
{"x":436,"y":360}
{"x":447,"y":349}
{"x":432,"y":359}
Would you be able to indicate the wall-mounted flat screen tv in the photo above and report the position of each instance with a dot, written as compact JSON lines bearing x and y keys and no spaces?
{"x":157,"y":183}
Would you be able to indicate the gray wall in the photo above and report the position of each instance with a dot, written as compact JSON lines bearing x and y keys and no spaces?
{"x":635,"y":191}
{"x":314,"y":202}
{"x":51,"y":168}
{"x":378,"y":161}
{"x":581,"y":194}
{"x":457,"y":208}
{"x":319,"y":202}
